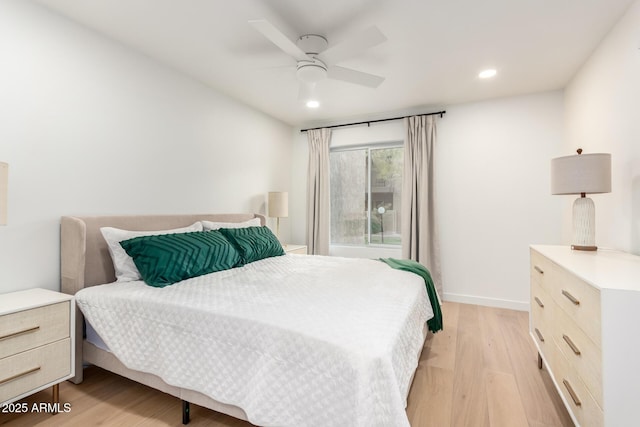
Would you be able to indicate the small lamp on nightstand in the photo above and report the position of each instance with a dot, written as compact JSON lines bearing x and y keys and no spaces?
{"x":582,"y":174}
{"x":278,"y":207}
{"x":4,"y":178}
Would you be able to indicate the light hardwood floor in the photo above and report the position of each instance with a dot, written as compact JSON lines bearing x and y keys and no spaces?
{"x":480,"y":371}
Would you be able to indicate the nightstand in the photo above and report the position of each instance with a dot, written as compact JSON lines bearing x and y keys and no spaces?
{"x":36,"y":341}
{"x":295,"y":249}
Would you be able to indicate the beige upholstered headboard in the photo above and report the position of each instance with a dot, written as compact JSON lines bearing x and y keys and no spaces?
{"x":84,"y":257}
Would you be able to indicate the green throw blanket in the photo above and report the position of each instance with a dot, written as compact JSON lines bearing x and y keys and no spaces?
{"x":435,"y":323}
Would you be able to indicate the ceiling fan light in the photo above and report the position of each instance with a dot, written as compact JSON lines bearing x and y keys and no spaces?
{"x":312,"y":103}
{"x":311,"y":72}
{"x":487,"y":74}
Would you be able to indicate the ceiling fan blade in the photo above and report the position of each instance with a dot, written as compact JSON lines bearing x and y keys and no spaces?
{"x":353,"y":76}
{"x":353,"y":46}
{"x":276,"y":37}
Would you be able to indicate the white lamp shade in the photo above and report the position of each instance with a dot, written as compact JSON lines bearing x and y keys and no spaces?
{"x":278,"y":204}
{"x":581,"y":173}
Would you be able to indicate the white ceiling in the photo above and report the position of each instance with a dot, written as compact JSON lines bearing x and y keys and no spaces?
{"x":434,"y":51}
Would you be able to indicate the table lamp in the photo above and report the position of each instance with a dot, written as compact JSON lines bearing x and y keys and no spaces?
{"x":278,"y":207}
{"x":582,"y":174}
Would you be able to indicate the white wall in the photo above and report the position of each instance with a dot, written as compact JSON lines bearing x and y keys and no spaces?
{"x":90,"y":127}
{"x":493,"y":192}
{"x":603,"y":115}
{"x":494,"y":201}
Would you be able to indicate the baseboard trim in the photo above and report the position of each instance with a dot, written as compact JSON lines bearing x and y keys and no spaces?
{"x":489,"y":302}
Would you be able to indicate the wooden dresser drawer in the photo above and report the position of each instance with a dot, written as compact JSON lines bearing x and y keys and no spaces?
{"x":28,"y":329}
{"x":542,"y":306}
{"x":581,"y":353}
{"x":580,"y":301}
{"x":540,"y":269}
{"x":576,"y":394}
{"x":30,"y":369}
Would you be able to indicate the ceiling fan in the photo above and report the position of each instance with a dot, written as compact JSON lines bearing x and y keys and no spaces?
{"x":315,"y":61}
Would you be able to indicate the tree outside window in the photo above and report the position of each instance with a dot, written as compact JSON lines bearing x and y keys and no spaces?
{"x":366,"y":192}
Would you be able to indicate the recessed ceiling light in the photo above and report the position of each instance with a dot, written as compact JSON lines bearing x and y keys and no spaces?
{"x":313,"y":104}
{"x":486,"y":74}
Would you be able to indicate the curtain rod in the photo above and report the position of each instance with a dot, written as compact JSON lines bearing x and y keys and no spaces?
{"x":368,"y":122}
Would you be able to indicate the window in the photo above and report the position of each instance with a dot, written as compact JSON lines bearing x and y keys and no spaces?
{"x":366,"y":192}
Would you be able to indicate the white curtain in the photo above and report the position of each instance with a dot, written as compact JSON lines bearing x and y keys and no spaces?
{"x":419,"y":227}
{"x":318,"y":192}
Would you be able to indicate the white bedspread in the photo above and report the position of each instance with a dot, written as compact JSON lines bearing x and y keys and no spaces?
{"x":294,"y":340}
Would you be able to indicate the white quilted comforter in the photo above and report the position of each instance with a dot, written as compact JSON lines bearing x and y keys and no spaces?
{"x":294,"y":340}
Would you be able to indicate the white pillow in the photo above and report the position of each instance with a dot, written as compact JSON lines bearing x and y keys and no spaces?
{"x":209,"y":225}
{"x":123,"y":264}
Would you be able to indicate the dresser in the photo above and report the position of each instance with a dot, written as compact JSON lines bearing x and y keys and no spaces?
{"x":36,"y":342}
{"x":585,"y":322}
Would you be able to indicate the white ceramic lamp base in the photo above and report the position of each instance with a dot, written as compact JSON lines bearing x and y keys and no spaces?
{"x":584,"y":225}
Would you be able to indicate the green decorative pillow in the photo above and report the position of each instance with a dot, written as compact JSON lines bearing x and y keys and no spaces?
{"x":166,"y":259}
{"x":254,"y":243}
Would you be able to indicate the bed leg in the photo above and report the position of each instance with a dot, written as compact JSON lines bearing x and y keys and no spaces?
{"x":185,"y":412}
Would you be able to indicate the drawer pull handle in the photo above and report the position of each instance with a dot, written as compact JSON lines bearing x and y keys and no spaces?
{"x":570,"y":343}
{"x":570,"y":297}
{"x":539,"y":335}
{"x":539,"y":302}
{"x":538,"y":269}
{"x":572,"y":393}
{"x":15,"y":334}
{"x":22,"y":374}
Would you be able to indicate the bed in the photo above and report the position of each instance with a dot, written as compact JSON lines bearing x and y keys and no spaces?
{"x":294,"y":355}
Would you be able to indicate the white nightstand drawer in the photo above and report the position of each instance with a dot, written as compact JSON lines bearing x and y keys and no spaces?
{"x":28,"y":329}
{"x":295,"y":249}
{"x":31,"y":369}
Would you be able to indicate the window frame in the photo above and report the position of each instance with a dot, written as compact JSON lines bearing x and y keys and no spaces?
{"x":368,"y":147}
